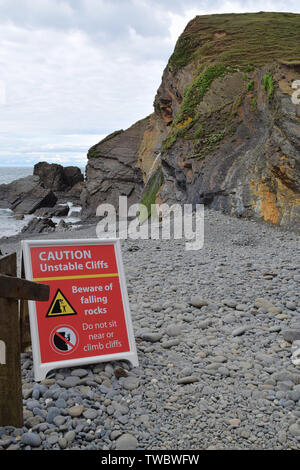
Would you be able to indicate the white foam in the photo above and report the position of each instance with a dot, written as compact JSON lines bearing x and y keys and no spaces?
{"x":9,"y":225}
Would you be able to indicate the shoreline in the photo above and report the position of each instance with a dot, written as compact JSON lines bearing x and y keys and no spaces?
{"x":87,"y":229}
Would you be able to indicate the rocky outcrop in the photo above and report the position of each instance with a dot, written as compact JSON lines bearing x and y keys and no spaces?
{"x":224,"y":129}
{"x":15,"y":191}
{"x":26,"y":195}
{"x":122,"y":163}
{"x":112,"y":169}
{"x":39,"y":197}
{"x":65,"y":182}
{"x":56,"y":177}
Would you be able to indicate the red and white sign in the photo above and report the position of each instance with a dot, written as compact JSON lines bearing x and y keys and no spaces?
{"x":87,"y":318}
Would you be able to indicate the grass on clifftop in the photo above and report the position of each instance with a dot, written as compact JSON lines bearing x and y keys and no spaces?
{"x":239,"y":40}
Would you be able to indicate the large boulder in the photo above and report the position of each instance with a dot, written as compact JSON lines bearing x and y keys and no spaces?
{"x":51,"y":176}
{"x":56,"y":177}
{"x":26,"y":195}
{"x":35,"y":199}
{"x":14,"y":192}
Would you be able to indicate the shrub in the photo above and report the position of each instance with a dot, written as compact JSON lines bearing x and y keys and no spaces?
{"x":269,"y":84}
{"x":250,"y":85}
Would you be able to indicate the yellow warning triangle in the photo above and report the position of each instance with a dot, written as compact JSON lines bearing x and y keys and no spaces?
{"x":60,"y":306}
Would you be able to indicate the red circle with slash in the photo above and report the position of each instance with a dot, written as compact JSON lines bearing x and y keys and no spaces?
{"x":64,"y":339}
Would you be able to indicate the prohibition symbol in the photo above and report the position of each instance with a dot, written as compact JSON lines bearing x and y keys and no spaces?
{"x":60,"y":306}
{"x":64,"y":339}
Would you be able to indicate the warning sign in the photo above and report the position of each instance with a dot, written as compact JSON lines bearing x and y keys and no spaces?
{"x":88,"y":289}
{"x":60,"y":306}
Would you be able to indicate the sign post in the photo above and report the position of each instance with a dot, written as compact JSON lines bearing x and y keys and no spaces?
{"x":11,"y":290}
{"x":87,"y":318}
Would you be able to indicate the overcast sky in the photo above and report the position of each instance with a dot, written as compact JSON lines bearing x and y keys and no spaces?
{"x":73,"y":71}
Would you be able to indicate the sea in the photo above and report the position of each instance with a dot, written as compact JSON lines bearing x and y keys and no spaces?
{"x":9,"y":225}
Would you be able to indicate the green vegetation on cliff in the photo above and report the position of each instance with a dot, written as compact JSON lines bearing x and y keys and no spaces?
{"x":269,"y":84}
{"x":195,"y":92}
{"x":149,"y":194}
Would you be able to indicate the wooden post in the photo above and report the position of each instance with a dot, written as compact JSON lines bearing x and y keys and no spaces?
{"x":11,"y":406}
{"x":43,"y":292}
{"x":12,"y":289}
{"x":24,"y":319}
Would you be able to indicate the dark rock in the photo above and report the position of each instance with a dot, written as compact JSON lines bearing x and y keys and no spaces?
{"x":62,"y":226}
{"x":26,"y":195}
{"x":56,"y":211}
{"x":112,"y":169}
{"x":75,"y":191}
{"x":13,"y":193}
{"x":39,"y":197}
{"x":120,"y":372}
{"x":51,"y":176}
{"x":73,"y":175}
{"x":56,"y":177}
{"x":37,"y":225}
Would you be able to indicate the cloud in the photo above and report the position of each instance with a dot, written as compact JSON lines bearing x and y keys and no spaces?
{"x":62,"y":82}
{"x":63,"y":148}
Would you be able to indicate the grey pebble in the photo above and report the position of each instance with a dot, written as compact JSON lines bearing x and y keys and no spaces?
{"x":126,"y":442}
{"x":291,"y":335}
{"x":70,"y":436}
{"x":79,"y":373}
{"x":90,"y":414}
{"x":63,"y":443}
{"x":239,"y":331}
{"x":52,"y":413}
{"x":170,"y":343}
{"x":130,"y":383}
{"x":188,"y":380}
{"x":198,"y":302}
{"x":152,"y":337}
{"x":59,"y":420}
{"x":52,"y":439}
{"x":31,"y":439}
{"x":294,"y":429}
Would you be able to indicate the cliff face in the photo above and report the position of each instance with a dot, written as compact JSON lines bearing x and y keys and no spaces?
{"x":224,"y":131}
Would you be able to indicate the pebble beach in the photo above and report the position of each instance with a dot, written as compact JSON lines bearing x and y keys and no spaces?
{"x":214,"y":330}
